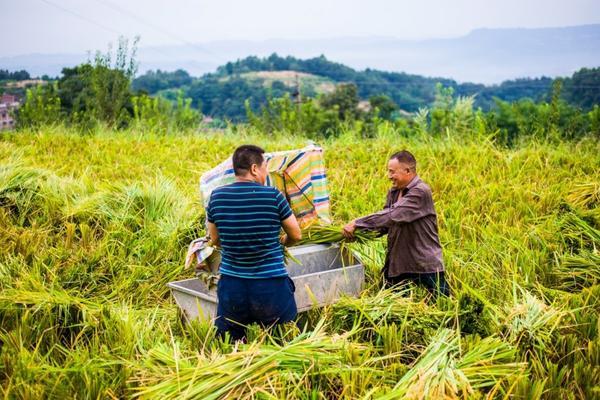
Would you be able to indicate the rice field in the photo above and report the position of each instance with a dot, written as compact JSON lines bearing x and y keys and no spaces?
{"x":93,"y":227}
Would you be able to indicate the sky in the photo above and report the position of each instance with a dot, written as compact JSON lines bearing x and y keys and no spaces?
{"x":72,"y":26}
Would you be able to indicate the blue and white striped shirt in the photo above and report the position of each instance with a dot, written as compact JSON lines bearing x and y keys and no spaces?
{"x":248,"y":218}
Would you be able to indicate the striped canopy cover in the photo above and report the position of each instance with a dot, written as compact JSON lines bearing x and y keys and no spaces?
{"x":298,"y":174}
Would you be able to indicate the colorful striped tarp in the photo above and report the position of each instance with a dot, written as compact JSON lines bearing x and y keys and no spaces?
{"x":298,"y":174}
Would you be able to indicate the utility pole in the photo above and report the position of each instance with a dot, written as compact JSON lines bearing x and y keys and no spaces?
{"x":296,"y":94}
{"x":298,"y":100}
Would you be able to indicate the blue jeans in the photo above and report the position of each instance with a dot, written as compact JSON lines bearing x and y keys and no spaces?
{"x":242,"y":302}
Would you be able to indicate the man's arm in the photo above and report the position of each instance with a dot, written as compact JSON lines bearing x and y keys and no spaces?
{"x":348,"y":229}
{"x":213,"y":233}
{"x":292,"y":230}
{"x":409,"y":208}
{"x":289,"y":223}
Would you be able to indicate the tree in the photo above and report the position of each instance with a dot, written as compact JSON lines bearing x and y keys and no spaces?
{"x":14,"y":76}
{"x":383,"y":106}
{"x":75,"y":89}
{"x":41,"y":107}
{"x":100,"y":91}
{"x":344,"y":99}
{"x":110,"y":82}
{"x":583,"y":88}
{"x":153,"y":81}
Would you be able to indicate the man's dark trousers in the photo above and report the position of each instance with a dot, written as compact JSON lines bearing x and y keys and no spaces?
{"x":434,"y":282}
{"x":245,"y":301}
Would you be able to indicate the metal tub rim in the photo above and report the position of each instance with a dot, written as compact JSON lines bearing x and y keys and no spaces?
{"x":174,"y":286}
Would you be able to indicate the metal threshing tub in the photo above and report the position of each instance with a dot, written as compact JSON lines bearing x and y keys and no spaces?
{"x":322,"y":274}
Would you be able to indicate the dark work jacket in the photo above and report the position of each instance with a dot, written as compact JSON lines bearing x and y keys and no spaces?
{"x":410,"y":221}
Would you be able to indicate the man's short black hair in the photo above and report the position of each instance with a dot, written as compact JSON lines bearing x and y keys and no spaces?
{"x":246,"y":155}
{"x":406,"y":157}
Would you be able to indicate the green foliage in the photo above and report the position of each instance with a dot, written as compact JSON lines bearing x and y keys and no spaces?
{"x":513,"y":121}
{"x":6,"y":75}
{"x":534,"y":89}
{"x":453,"y":108}
{"x":583,"y":88}
{"x":154,"y":81}
{"x":383,"y":106}
{"x":99,"y":92}
{"x":159,"y":115}
{"x":283,"y":115}
{"x":409,"y":92}
{"x":151,"y":112}
{"x":329,"y":115}
{"x":184,"y":116}
{"x":222,"y":94}
{"x":507,"y":124}
{"x":227,"y":98}
{"x":74,"y":89}
{"x":451,"y":115}
{"x":109,"y":82}
{"x":344,"y":99}
{"x":40,"y":108}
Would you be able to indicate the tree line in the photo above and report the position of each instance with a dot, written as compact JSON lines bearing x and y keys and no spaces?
{"x":223,"y":94}
{"x":100,"y":92}
{"x":104,"y":91}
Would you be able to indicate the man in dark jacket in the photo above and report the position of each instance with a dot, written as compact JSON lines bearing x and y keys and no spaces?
{"x":409,"y":219}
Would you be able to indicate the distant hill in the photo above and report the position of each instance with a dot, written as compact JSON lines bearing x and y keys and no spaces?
{"x":311,"y":84}
{"x":224,"y":92}
{"x":483,"y":56}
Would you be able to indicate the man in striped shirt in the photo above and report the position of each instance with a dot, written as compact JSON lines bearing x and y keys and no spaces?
{"x":245,"y":219}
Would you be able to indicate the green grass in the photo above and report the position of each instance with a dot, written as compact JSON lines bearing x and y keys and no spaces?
{"x":93,"y":227}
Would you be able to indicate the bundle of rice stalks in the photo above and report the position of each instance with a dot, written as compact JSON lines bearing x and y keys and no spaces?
{"x":144,"y":203}
{"x":87,"y":208}
{"x":58,"y":316}
{"x":475,"y":317}
{"x":576,"y":272}
{"x":447,"y":371}
{"x":585,"y":195}
{"x":332,"y":234}
{"x":530,"y":323}
{"x":26,"y":195}
{"x":60,"y":349}
{"x":415,"y":319}
{"x":579,"y":233}
{"x":372,"y":256}
{"x":262,"y":368}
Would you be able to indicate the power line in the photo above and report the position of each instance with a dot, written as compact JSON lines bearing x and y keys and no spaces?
{"x":93,"y":22}
{"x":157,"y":28}
{"x":80,"y":16}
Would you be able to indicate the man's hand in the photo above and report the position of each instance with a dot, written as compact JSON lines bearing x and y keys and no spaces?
{"x":283,"y":238}
{"x":348,"y":230}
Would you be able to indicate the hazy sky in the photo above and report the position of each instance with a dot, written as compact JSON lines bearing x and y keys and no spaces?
{"x":66,"y":26}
